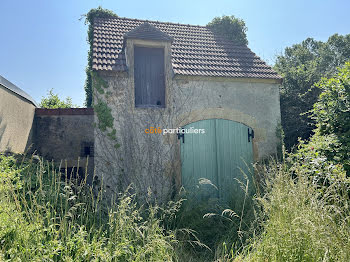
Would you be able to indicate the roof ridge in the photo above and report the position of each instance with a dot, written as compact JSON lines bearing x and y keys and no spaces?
{"x":147,"y":21}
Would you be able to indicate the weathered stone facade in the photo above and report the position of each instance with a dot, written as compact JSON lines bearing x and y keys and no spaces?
{"x":153,"y":160}
{"x":65,"y":136}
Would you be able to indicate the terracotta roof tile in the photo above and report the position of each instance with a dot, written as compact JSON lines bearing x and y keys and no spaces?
{"x":147,"y":31}
{"x":195,"y":50}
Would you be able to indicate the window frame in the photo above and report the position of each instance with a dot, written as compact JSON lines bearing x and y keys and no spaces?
{"x":164,"y":79}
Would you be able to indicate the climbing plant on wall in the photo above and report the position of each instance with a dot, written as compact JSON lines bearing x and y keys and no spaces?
{"x":105,"y":120}
{"x":89,"y":18}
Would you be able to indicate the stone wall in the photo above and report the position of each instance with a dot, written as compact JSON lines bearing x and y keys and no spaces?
{"x":65,"y":135}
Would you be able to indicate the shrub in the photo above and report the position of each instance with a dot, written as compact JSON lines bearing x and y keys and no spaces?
{"x":332,"y":113}
{"x":53,"y":101}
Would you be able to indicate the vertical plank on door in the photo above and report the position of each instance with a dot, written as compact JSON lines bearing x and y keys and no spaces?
{"x":234,"y":158}
{"x":221,"y":155}
{"x":198,"y":155}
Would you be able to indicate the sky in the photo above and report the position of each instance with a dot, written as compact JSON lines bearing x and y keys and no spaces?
{"x":43,"y":42}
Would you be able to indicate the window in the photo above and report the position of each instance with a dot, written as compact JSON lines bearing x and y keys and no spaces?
{"x":149,"y":77}
{"x":87,"y":149}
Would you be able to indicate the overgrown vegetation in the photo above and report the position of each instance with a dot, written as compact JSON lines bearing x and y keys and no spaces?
{"x":53,"y":101}
{"x":300,"y":211}
{"x":95,"y":82}
{"x":332,"y":115}
{"x":89,"y":19}
{"x":45,"y":216}
{"x":304,"y":212}
{"x":302,"y":66}
{"x":217,"y":226}
{"x":104,"y":115}
{"x":230,"y":26}
{"x":302,"y":220}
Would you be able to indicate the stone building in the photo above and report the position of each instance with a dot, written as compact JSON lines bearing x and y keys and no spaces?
{"x":159,"y":76}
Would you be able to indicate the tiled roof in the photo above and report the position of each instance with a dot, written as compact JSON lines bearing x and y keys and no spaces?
{"x":147,"y":31}
{"x":196,"y":50}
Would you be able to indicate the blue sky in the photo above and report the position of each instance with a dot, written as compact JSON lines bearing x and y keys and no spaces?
{"x":43,"y":43}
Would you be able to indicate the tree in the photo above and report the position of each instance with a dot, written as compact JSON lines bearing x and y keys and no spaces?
{"x":332,"y":114}
{"x":301,"y":66}
{"x":53,"y":101}
{"x":234,"y":28}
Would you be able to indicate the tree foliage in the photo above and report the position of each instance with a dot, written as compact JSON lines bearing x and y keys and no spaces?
{"x":232,"y":27}
{"x":89,"y":19}
{"x":53,"y":101}
{"x":332,"y":114}
{"x":302,"y":65}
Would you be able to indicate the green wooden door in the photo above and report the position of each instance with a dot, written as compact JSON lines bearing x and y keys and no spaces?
{"x":220,"y":155}
{"x":198,"y":156}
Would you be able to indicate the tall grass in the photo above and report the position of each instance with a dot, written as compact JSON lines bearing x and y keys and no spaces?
{"x":217,"y":225}
{"x":47,"y":217}
{"x":299,"y":220}
{"x":300,"y":212}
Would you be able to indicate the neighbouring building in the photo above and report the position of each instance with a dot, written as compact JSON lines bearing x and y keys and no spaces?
{"x":153,"y":75}
{"x":65,"y":135}
{"x":16,"y":117}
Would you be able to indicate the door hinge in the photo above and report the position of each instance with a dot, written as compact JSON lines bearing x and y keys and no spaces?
{"x":181,"y":135}
{"x":250,"y":134}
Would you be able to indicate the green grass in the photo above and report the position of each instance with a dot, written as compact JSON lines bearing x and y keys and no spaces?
{"x":215,"y":224}
{"x":299,"y":219}
{"x":300,"y":212}
{"x":43,"y":218}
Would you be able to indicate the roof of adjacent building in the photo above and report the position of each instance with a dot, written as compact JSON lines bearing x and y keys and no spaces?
{"x":195,"y":50}
{"x":15,"y":89}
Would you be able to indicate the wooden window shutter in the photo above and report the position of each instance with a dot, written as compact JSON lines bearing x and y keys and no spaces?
{"x":149,"y":77}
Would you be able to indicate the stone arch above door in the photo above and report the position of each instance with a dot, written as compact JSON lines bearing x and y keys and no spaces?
{"x":228,"y":114}
{"x":218,"y":113}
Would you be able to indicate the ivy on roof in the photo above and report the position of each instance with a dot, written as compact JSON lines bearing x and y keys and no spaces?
{"x":89,"y":19}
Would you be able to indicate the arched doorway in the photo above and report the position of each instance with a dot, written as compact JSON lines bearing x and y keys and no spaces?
{"x":222,"y":154}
